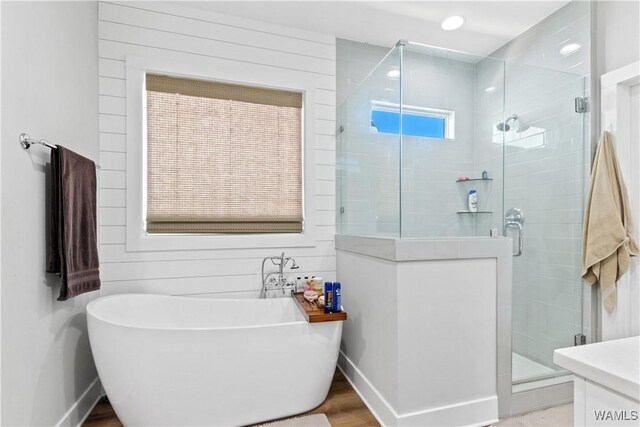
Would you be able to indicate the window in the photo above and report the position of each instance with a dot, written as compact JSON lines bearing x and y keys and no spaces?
{"x":416,"y":121}
{"x":222,"y":158}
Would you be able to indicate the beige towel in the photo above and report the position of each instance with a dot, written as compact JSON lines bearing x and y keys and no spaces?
{"x":607,"y":239}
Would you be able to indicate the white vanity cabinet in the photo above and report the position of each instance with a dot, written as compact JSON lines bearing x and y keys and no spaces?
{"x":606,"y":382}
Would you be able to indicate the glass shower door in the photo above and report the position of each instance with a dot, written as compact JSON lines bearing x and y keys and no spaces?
{"x":368,"y":160}
{"x":544,"y":189}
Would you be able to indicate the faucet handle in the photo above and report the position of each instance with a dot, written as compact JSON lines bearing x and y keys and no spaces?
{"x":291,"y":283}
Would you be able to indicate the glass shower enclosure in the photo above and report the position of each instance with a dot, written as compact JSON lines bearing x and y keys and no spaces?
{"x":544,"y":178}
{"x":410,"y":150}
{"x":427,"y":128}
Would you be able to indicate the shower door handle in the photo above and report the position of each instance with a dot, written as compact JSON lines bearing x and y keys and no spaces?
{"x":514,"y":218}
{"x":518,"y":227}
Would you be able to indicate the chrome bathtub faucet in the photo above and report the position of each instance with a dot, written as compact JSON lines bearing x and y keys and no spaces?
{"x":276,"y":279}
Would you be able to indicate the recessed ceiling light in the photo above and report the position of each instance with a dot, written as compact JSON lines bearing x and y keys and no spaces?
{"x":570,"y":48}
{"x":452,"y":23}
{"x":490,"y":89}
{"x":393,"y":74}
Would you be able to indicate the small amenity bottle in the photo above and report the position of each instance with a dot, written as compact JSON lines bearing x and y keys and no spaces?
{"x":308,"y":284}
{"x":328,"y":297}
{"x":473,"y":201}
{"x":317,"y":285}
{"x":336,"y":298}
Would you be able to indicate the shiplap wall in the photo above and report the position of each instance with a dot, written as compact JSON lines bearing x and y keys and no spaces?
{"x":168,"y":31}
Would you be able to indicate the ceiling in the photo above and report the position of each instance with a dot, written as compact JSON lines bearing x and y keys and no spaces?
{"x":489,"y":24}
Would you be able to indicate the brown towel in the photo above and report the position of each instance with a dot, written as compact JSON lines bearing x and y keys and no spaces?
{"x":607,"y":236}
{"x":73,"y":249}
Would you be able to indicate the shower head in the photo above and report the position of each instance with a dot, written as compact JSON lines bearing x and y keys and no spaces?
{"x":503,"y":127}
{"x":506,"y":127}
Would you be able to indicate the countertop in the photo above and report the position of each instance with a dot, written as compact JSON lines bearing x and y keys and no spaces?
{"x":614,"y":364}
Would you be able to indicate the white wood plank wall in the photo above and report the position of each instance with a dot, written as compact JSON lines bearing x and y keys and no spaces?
{"x":161,"y":30}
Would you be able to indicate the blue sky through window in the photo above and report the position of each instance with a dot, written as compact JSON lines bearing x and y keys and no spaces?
{"x":412,"y":124}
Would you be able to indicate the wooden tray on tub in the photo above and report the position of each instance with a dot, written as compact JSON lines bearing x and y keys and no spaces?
{"x":313,"y":312}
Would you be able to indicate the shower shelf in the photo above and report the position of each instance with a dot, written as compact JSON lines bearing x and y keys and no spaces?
{"x":473,"y":213}
{"x":474,"y":179}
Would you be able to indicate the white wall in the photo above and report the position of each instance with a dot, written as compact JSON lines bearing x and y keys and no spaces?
{"x":174,"y":33}
{"x":49,"y":60}
{"x":0,"y":214}
{"x":617,"y":34}
{"x":634,"y":293}
{"x":617,"y":39}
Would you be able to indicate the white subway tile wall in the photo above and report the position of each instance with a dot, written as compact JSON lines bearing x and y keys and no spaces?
{"x":354,"y":62}
{"x":431,"y":197}
{"x":162,"y":30}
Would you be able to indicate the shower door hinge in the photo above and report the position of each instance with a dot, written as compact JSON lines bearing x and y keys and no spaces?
{"x":579,"y":339}
{"x":582,"y":104}
{"x":341,"y":209}
{"x":340,"y":129}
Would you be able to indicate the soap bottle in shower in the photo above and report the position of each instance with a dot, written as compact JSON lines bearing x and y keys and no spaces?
{"x":473,"y":201}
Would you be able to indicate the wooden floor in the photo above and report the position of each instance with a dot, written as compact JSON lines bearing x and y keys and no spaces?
{"x":343,"y":407}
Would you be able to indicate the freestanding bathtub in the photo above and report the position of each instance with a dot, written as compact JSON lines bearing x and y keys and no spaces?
{"x":181,"y":361}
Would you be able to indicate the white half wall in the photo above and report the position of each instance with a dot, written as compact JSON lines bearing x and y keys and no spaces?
{"x":170,"y":33}
{"x":49,"y":90}
{"x":426,"y":316}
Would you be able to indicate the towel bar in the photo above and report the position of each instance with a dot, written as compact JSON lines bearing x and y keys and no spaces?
{"x":26,"y":141}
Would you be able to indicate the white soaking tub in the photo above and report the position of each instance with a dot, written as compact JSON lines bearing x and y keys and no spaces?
{"x":180,"y":361}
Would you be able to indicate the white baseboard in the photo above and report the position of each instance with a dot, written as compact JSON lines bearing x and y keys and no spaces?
{"x":377,"y":404}
{"x":479,"y":412}
{"x":80,"y":410}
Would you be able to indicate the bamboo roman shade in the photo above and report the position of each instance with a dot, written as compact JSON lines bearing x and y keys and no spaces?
{"x":222,"y":158}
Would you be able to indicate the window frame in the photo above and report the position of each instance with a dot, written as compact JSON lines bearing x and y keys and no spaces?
{"x":137,"y":238}
{"x":449,"y":116}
